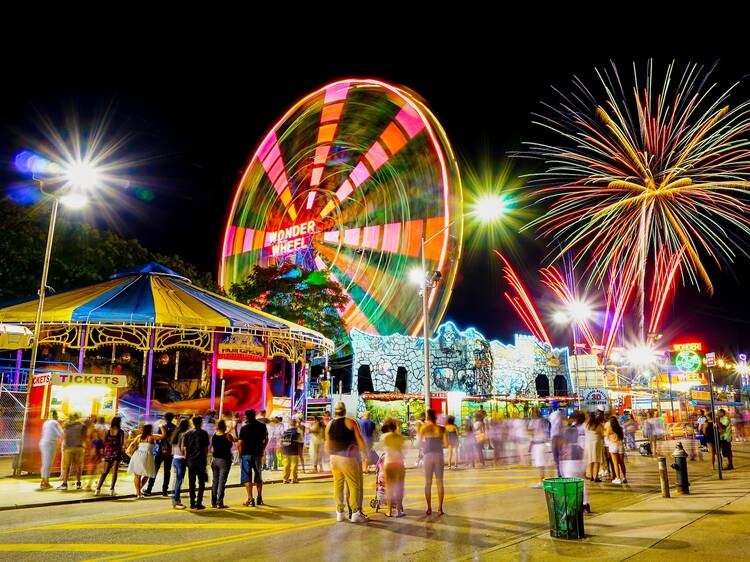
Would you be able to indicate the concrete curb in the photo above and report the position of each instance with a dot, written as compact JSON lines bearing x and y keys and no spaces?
{"x":91,"y":499}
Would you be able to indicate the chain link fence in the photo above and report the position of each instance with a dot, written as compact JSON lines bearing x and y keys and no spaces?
{"x":12,"y":405}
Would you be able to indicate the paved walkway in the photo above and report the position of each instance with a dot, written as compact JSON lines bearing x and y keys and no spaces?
{"x":711,"y":523}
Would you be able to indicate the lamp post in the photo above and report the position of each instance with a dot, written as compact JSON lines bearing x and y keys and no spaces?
{"x":574,"y":313}
{"x":67,"y":188}
{"x":487,"y":208}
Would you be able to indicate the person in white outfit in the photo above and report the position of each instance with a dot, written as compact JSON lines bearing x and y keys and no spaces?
{"x":51,"y":433}
{"x":572,"y":463}
{"x":142,"y":465}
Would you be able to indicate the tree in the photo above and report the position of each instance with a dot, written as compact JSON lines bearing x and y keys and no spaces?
{"x":81,"y":254}
{"x":308,"y":298}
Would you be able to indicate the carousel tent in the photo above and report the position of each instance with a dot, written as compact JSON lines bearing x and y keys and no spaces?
{"x":155,"y":296}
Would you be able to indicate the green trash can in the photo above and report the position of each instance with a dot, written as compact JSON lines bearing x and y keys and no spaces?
{"x":565,"y":507}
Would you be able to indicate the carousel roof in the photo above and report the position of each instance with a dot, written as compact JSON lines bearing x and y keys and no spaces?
{"x":153,"y":295}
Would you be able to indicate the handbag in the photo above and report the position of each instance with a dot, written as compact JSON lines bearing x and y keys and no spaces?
{"x":132,"y":447}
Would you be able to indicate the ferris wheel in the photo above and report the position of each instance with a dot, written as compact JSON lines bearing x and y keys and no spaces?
{"x":350,"y":180}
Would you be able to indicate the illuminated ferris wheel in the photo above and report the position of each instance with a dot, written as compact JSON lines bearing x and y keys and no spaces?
{"x":350,"y":180}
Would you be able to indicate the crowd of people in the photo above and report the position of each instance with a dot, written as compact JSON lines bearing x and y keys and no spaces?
{"x":588,"y":445}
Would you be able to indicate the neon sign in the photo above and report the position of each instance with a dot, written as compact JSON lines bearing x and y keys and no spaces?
{"x":290,"y":239}
{"x":686,"y":347}
{"x":688,"y":361}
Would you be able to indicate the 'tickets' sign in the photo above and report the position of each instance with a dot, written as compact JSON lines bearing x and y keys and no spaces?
{"x":116,"y":381}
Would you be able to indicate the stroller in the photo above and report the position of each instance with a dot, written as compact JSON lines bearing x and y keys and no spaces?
{"x":379,"y":500}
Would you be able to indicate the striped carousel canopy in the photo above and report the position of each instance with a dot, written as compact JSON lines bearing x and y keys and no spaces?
{"x":153,"y":295}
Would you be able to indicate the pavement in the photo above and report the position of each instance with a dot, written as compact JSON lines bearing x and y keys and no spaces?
{"x":492,"y":514}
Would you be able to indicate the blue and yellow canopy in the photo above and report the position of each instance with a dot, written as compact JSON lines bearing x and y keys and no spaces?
{"x":154,"y":296}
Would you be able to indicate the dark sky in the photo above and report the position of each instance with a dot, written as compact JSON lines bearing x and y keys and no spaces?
{"x":196,"y":110}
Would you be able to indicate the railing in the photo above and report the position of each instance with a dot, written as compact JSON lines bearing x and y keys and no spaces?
{"x":15,"y":373}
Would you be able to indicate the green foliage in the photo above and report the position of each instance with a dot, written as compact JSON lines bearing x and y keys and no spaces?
{"x":81,"y":254}
{"x":396,"y":409}
{"x":308,"y":298}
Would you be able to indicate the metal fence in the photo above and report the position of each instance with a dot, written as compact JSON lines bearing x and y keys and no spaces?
{"x":12,"y":405}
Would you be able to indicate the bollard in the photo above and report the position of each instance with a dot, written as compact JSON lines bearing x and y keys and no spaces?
{"x":663,"y":477}
{"x":681,"y":466}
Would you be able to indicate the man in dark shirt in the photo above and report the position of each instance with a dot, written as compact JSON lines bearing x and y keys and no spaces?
{"x":196,"y":455}
{"x":163,"y":454}
{"x":252,"y":445}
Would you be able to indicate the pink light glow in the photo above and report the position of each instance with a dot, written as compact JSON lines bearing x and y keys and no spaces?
{"x":229,"y":240}
{"x":359,"y":174}
{"x":391,"y":235}
{"x":336,"y":91}
{"x":345,"y":190}
{"x":409,"y":119}
{"x":370,"y":236}
{"x":376,"y":156}
{"x":351,"y":237}
{"x":247,"y":243}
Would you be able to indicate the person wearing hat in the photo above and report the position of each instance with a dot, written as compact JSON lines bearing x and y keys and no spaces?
{"x":556,"y":421}
{"x":346,"y":447}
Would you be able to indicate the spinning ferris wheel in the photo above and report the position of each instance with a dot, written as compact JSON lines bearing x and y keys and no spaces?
{"x":350,"y":180}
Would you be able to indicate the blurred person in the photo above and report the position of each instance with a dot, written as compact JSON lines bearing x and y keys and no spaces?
{"x":221,"y":462}
{"x":709,"y":438}
{"x":275,"y":431}
{"x":163,"y":454}
{"x":252,"y":443}
{"x":609,"y":471}
{"x":538,"y":446}
{"x":72,"y":457}
{"x":432,"y":439}
{"x":367,"y":429}
{"x":630,"y":426}
{"x":725,"y":437}
{"x":263,"y":417}
{"x":594,"y":446}
{"x":93,"y":448}
{"x":141,"y":464}
{"x":317,"y":442}
{"x":195,"y":446}
{"x":393,"y":465}
{"x":291,"y":449}
{"x":179,"y":461}
{"x":572,"y":463}
{"x":452,"y":435}
{"x":52,"y":431}
{"x":345,"y":446}
{"x":470,"y":446}
{"x":556,"y":420}
{"x":418,"y":423}
{"x":616,"y":440}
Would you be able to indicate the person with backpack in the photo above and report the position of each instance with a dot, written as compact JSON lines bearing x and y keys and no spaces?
{"x":163,"y":455}
{"x":291,"y":447}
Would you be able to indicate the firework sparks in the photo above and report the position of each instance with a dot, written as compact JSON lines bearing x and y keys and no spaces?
{"x":654,"y":175}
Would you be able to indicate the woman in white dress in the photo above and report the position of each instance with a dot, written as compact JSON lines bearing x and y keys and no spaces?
{"x":594,"y":449}
{"x":142,"y":465}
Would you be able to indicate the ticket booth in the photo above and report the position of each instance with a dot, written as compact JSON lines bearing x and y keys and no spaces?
{"x":67,"y":393}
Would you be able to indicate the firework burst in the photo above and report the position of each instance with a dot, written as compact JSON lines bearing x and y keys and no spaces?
{"x":651,"y":176}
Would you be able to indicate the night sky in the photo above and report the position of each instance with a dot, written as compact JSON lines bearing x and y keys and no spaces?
{"x":196,"y":113}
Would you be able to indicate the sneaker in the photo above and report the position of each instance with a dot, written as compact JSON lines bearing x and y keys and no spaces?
{"x":62,"y":487}
{"x":359,"y":517}
{"x":249,"y":503}
{"x":97,"y":492}
{"x":178,"y":505}
{"x":112,"y":492}
{"x":616,"y":481}
{"x":537,"y":485}
{"x":146,"y":493}
{"x":340,"y":516}
{"x":78,"y":485}
{"x":165,"y":494}
{"x":200,"y":506}
{"x":260,"y":500}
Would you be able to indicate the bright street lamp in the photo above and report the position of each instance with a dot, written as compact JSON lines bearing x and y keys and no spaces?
{"x":487,"y":208}
{"x":64,"y":187}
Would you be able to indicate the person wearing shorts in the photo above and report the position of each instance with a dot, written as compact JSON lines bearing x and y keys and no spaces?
{"x":252,"y":442}
{"x":432,"y":441}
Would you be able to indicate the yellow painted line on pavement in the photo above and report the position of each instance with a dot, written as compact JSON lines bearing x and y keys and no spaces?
{"x":86,"y":520}
{"x":76,"y":547}
{"x":158,"y":526}
{"x":158,"y":550}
